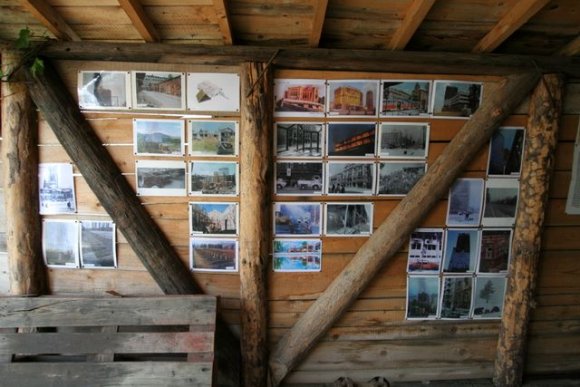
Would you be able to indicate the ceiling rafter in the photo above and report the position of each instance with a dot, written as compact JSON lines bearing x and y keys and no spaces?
{"x":570,"y":49}
{"x":51,"y":19}
{"x":140,"y":20}
{"x":517,"y":16}
{"x":413,"y":18}
{"x":222,"y":13}
{"x":317,"y":23}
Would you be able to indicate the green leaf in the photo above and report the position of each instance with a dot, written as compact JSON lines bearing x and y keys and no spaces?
{"x":37,"y":67}
{"x":23,"y":41}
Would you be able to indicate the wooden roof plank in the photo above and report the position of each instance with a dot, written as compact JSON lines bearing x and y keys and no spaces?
{"x":51,"y":19}
{"x":317,"y":23}
{"x":222,"y":14}
{"x":413,"y":18}
{"x":140,"y":20}
{"x":572,"y":48}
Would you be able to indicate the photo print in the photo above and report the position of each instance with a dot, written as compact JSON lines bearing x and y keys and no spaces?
{"x":213,"y":218}
{"x":213,"y":254}
{"x":295,"y":178}
{"x":461,"y":246}
{"x":104,"y":90}
{"x":456,"y":300}
{"x":501,"y":202}
{"x":404,"y":98}
{"x":293,"y":219}
{"x":213,"y":92}
{"x":57,"y":190}
{"x":488,"y":297}
{"x":422,"y":297}
{"x":214,"y":178}
{"x":348,"y":219}
{"x":352,"y":98}
{"x":403,"y":140}
{"x":158,"y":137}
{"x":299,"y":97}
{"x":160,"y":178}
{"x":351,"y":139}
{"x":399,"y":177}
{"x":495,"y":250}
{"x":98,"y":244}
{"x":506,"y":149}
{"x":299,"y":139}
{"x":297,"y":255}
{"x":425,"y":250}
{"x":345,"y":178}
{"x":158,"y":90}
{"x":60,"y":243}
{"x":213,"y":138}
{"x":456,"y":99}
{"x":465,"y":203}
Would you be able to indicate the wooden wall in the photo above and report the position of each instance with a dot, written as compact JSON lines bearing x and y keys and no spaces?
{"x":372,"y":339}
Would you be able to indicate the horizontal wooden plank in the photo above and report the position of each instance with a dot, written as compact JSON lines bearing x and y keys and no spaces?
{"x":348,"y":319}
{"x":561,"y":238}
{"x":558,"y":272}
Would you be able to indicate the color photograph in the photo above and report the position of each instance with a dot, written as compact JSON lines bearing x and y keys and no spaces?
{"x":299,"y":97}
{"x":489,"y":297}
{"x":351,"y":139}
{"x":60,"y":243}
{"x":506,"y":149}
{"x":398,"y":178}
{"x":422,"y":297}
{"x":98,"y":244}
{"x":404,"y":98}
{"x":456,"y":300}
{"x":213,"y":254}
{"x":352,"y":98}
{"x":213,"y":138}
{"x":425,"y":250}
{"x":495,"y":250}
{"x":461,"y":246}
{"x":291,"y":219}
{"x":160,"y":178}
{"x":456,"y":99}
{"x":213,"y":218}
{"x":501,"y":202}
{"x":213,"y":92}
{"x":295,"y":178}
{"x":403,"y":140}
{"x":348,"y":219}
{"x":158,"y":90}
{"x":465,"y":203}
{"x":214,"y":178}
{"x":158,"y":137}
{"x":57,"y":190}
{"x":295,"y":139}
{"x":297,"y":255}
{"x":350,"y":178}
{"x":104,"y":90}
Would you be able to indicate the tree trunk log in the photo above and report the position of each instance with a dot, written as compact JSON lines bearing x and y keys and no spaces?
{"x":538,"y":163}
{"x":500,"y":100}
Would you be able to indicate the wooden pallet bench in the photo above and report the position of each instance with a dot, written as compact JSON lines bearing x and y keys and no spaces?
{"x":142,"y":341}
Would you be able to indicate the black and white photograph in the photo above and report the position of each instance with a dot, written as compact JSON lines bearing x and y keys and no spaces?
{"x":213,"y":218}
{"x":60,"y":243}
{"x":297,"y":255}
{"x":422,"y":297}
{"x":456,"y":99}
{"x":351,"y":139}
{"x":98,"y":244}
{"x":160,"y":178}
{"x":353,"y":98}
{"x":57,"y":190}
{"x":294,"y":219}
{"x":457,"y":297}
{"x":299,"y":97}
{"x":461,"y":246}
{"x":348,"y":219}
{"x":495,"y":250}
{"x":109,"y":90}
{"x":506,"y":149}
{"x":488,"y":297}
{"x":501,"y":202}
{"x":213,"y":92}
{"x":403,"y":140}
{"x":465,"y":203}
{"x":213,"y":254}
{"x":158,"y":90}
{"x":405,"y":98}
{"x":425,"y":250}
{"x":399,"y":177}
{"x":218,"y":178}
{"x":299,"y":178}
{"x":158,"y":137}
{"x":213,"y":138}
{"x":295,"y":139}
{"x":355,"y":178}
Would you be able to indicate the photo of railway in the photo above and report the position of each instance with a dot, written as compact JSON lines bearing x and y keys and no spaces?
{"x":299,"y":97}
{"x":98,"y":244}
{"x":213,"y":254}
{"x":501,"y":201}
{"x":405,"y":98}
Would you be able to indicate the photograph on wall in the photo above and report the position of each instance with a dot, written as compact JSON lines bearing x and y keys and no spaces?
{"x":348,"y":219}
{"x":297,"y":178}
{"x":405,"y":98}
{"x":214,"y":178}
{"x":213,"y":254}
{"x":158,"y":137}
{"x":501,"y":202}
{"x":403,"y":140}
{"x":294,"y":139}
{"x":344,"y":178}
{"x":213,"y":92}
{"x":57,"y":190}
{"x":98,"y":244}
{"x":456,"y":99}
{"x":465,"y":203}
{"x":299,"y":97}
{"x":297,"y":255}
{"x":213,"y":138}
{"x":351,"y":139}
{"x":160,"y":178}
{"x":494,"y":250}
{"x":158,"y":90}
{"x":506,"y":149}
{"x":425,"y":250}
{"x":461,"y":246}
{"x":293,"y":219}
{"x":108,"y":90}
{"x":213,"y":218}
{"x":422,"y":297}
{"x":352,"y":98}
{"x":488,"y":297}
{"x":399,"y":177}
{"x":457,"y":297}
{"x":60,"y":243}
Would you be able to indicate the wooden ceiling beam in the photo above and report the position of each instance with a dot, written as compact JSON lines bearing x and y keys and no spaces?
{"x":317,"y":23}
{"x":514,"y":18}
{"x":222,"y":13}
{"x":51,"y":19}
{"x":413,"y":18}
{"x":571,"y":49}
{"x":140,"y":20}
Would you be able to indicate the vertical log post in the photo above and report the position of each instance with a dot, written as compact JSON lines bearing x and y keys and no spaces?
{"x":20,"y":168}
{"x":255,"y":192}
{"x":540,"y":145}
